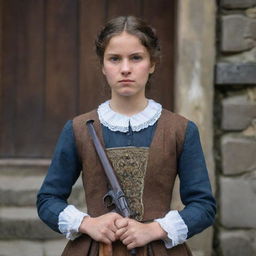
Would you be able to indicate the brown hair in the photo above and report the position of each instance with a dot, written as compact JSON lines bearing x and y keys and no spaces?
{"x":133,"y":26}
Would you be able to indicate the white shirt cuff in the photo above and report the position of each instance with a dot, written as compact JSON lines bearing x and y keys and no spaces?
{"x":175,"y":227}
{"x":69,"y":221}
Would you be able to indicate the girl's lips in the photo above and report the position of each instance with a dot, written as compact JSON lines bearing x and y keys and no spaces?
{"x":126,"y":81}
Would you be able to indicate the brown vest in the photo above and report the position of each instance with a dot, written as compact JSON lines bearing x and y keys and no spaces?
{"x":159,"y":180}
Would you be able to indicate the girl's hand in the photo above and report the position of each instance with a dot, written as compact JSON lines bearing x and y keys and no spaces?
{"x":135,"y":234}
{"x":102,"y":228}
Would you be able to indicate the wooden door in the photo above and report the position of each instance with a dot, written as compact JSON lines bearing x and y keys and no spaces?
{"x":50,"y":73}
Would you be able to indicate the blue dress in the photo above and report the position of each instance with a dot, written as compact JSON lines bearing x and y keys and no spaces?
{"x":195,"y":188}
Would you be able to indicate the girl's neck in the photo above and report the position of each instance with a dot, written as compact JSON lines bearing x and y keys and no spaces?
{"x":128,"y":106}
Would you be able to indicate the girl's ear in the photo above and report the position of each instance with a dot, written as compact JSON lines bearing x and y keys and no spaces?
{"x":103,"y":70}
{"x":152,"y":68}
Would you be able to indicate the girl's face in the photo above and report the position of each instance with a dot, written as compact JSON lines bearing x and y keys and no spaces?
{"x":126,"y":65}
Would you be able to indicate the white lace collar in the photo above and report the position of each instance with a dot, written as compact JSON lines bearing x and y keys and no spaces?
{"x":118,"y":122}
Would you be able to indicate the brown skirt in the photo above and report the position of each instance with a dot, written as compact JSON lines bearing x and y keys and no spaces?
{"x":85,"y":246}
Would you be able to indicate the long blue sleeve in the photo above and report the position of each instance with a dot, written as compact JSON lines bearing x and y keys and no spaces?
{"x":195,"y":187}
{"x":63,"y":172}
{"x":65,"y":168}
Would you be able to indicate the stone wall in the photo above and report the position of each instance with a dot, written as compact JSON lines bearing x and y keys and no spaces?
{"x":235,"y":128}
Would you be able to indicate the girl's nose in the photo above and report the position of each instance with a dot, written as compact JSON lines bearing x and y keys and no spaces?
{"x":125,"y":67}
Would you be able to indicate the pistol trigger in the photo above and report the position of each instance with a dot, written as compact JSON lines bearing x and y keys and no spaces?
{"x":108,"y":200}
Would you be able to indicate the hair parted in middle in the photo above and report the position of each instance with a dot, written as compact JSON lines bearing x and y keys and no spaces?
{"x":134,"y":26}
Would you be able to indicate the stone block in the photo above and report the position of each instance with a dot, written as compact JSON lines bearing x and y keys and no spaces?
{"x":24,"y":167}
{"x":238,"y":201}
{"x":238,"y":33}
{"x":237,"y":243}
{"x":237,"y":113}
{"x":32,"y":248}
{"x":19,"y":190}
{"x":233,"y":4}
{"x":55,"y":247}
{"x":251,"y":13}
{"x":21,"y":248}
{"x":22,"y":191}
{"x":23,"y":223}
{"x":238,"y":154}
{"x":235,"y":73}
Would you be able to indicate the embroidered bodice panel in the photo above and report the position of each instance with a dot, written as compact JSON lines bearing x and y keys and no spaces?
{"x":130,"y":164}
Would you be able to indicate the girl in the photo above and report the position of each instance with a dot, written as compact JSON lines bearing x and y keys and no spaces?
{"x":147,"y":146}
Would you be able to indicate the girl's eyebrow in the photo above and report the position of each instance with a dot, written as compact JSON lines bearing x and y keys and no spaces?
{"x":139,"y":52}
{"x":110,"y":53}
{"x":117,"y":54}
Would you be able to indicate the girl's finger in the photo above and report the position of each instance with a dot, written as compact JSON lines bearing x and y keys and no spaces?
{"x":127,"y":240}
{"x":120,"y":223}
{"x":120,"y":232}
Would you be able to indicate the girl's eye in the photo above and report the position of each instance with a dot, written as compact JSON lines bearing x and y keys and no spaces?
{"x":136,"y":57}
{"x":114,"y":58}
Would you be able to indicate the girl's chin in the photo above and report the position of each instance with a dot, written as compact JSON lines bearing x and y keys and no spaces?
{"x":126,"y":93}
